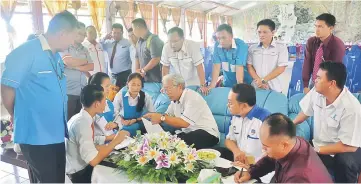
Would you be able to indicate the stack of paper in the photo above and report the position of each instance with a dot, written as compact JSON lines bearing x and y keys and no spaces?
{"x":101,"y":123}
{"x":156,"y":128}
{"x":124,"y":143}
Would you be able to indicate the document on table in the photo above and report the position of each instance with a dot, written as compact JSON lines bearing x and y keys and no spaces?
{"x":221,"y":162}
{"x":151,"y":128}
{"x":101,"y":123}
{"x":125,"y":143}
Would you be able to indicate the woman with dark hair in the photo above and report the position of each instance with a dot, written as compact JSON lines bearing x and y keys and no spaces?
{"x":103,"y":79}
{"x":131,"y":103}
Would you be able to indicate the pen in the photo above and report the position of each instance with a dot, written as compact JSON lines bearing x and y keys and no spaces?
{"x":241,"y":172}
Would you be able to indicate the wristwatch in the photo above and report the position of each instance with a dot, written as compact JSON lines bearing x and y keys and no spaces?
{"x":162,"y":118}
{"x":264,"y":81}
{"x":316,"y":148}
{"x":142,"y":71}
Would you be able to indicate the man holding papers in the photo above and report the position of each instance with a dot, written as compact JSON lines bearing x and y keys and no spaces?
{"x":82,"y":153}
{"x":188,"y":111}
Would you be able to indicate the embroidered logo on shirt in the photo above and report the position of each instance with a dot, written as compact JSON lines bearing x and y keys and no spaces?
{"x":253,"y":131}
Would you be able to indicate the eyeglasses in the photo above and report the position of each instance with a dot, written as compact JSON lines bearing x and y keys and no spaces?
{"x":165,"y":89}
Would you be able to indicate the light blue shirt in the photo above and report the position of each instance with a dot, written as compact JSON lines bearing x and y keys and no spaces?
{"x":40,"y":108}
{"x":229,"y":59}
{"x":122,"y":60}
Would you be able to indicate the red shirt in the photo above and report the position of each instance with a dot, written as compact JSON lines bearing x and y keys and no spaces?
{"x":333,"y":50}
{"x":301,"y":165}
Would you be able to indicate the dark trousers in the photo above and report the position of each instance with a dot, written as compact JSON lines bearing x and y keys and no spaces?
{"x":82,"y":176}
{"x":200,"y":138}
{"x":345,"y":167}
{"x":121,"y":78}
{"x":225,"y":153}
{"x":46,"y":163}
{"x":74,"y":105}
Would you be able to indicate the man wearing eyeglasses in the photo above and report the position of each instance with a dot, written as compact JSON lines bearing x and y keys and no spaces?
{"x":77,"y":76}
{"x":185,"y":57}
{"x":230,"y":54}
{"x":268,"y":59}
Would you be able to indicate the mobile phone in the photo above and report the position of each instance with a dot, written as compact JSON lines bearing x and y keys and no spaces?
{"x":226,"y":171}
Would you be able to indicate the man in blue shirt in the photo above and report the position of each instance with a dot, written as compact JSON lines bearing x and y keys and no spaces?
{"x":231,"y":54}
{"x":33,"y":90}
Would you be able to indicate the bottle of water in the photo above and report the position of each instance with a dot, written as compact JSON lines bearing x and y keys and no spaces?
{"x":298,"y":85}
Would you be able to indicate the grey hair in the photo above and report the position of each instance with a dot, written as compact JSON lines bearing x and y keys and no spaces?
{"x":175,"y":78}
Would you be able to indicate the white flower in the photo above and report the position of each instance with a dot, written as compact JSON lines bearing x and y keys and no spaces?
{"x":189,"y":167}
{"x":182,"y":146}
{"x":173,"y":159}
{"x":142,"y":160}
{"x":153,"y":153}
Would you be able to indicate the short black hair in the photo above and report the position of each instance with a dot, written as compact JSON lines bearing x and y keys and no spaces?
{"x":62,"y":21}
{"x":81,"y":25}
{"x":117,"y":26}
{"x":90,"y":94}
{"x":130,"y":30}
{"x":328,"y":18}
{"x":280,"y":124}
{"x":97,"y":78}
{"x":225,"y":27}
{"x":335,"y":71}
{"x":245,"y":93}
{"x":177,"y":30}
{"x":267,"y":22}
{"x":139,"y":22}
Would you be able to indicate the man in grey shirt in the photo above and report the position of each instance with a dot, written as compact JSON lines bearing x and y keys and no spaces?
{"x":119,"y":56}
{"x":76,"y":76}
{"x":148,"y":52}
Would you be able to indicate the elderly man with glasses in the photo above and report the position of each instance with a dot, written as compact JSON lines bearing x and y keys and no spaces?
{"x":188,"y":111}
{"x":186,"y":59}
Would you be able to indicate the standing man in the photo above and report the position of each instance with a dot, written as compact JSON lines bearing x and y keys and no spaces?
{"x":95,"y":50}
{"x":322,"y":47}
{"x":119,"y":57}
{"x":185,"y":57}
{"x":231,"y":54}
{"x":243,"y":136}
{"x":268,"y":59}
{"x":149,"y":51}
{"x":34,"y":77}
{"x":337,"y":121}
{"x":77,"y":75}
{"x":291,"y":157}
{"x":132,"y":49}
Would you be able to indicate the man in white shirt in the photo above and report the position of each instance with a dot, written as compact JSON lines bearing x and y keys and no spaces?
{"x":95,"y":50}
{"x":185,"y":57}
{"x":133,"y":40}
{"x":82,"y":153}
{"x":188,"y":111}
{"x":337,"y":122}
{"x":268,"y":59}
{"x":243,"y":136}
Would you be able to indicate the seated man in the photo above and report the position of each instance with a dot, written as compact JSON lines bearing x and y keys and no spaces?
{"x":291,"y":157}
{"x":243,"y":136}
{"x":81,"y":152}
{"x":337,"y":121}
{"x":189,"y":111}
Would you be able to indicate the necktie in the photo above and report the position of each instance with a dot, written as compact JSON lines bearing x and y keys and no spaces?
{"x":113,"y":54}
{"x":318,"y":61}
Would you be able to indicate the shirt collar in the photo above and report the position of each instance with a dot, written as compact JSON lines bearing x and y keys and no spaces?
{"x":128,"y":95}
{"x":181,"y":99}
{"x":273,"y":44}
{"x":44,"y":43}
{"x":146,"y":36}
{"x":253,"y":112}
{"x":327,"y":40}
{"x":283,"y":161}
{"x":185,"y":43}
{"x":86,"y":115}
{"x":338,"y":100}
{"x":234,"y":45}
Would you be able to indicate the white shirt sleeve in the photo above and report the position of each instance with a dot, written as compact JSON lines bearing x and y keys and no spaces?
{"x":350,"y":126}
{"x":170,"y":110}
{"x":197,"y":56}
{"x":306,"y":103}
{"x":165,"y":58}
{"x":282,"y":56}
{"x":249,"y":57}
{"x":149,"y":104}
{"x":84,"y":138}
{"x":230,"y":134}
{"x":99,"y":140}
{"x":118,"y":104}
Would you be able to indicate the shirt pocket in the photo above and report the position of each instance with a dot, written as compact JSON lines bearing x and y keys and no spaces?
{"x":332,"y":127}
{"x":253,"y":145}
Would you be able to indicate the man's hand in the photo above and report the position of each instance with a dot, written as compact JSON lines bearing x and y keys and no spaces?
{"x":240,"y":164}
{"x":110,"y":126}
{"x":204,"y":90}
{"x":140,"y":72}
{"x":306,"y":90}
{"x":120,"y":136}
{"x":240,"y":179}
{"x":154,"y":117}
{"x":125,"y":122}
{"x":258,"y":82}
{"x":240,"y":156}
{"x":108,"y":36}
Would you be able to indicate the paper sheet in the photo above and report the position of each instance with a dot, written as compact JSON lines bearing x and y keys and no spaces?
{"x":102,"y":122}
{"x":124,"y":143}
{"x":151,"y":128}
{"x":221,"y":162}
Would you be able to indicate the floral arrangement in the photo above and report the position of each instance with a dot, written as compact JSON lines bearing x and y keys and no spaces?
{"x":159,"y":158}
{"x":6,"y":134}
